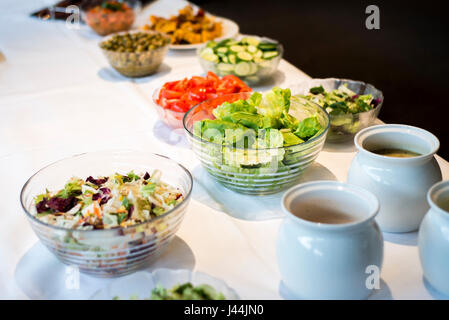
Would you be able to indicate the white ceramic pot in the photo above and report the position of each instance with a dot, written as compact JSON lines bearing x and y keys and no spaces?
{"x":329,"y":261}
{"x":400,"y":184}
{"x":433,"y":240}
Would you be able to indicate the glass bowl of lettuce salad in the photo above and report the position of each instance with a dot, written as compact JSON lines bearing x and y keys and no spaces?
{"x":352,"y":105}
{"x":256,"y":144}
{"x":108,"y":213}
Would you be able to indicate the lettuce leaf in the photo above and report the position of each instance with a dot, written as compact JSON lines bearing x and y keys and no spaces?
{"x":226,"y":109}
{"x":275,"y":103}
{"x":290,"y":138}
{"x":308,"y":127}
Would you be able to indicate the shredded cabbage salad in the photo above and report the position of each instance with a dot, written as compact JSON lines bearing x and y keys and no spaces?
{"x":107,"y":202}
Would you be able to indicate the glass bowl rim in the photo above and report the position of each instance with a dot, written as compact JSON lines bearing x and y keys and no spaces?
{"x":34,"y":219}
{"x":261,"y":149}
{"x":133,"y":4}
{"x":106,"y":38}
{"x":154,"y":97}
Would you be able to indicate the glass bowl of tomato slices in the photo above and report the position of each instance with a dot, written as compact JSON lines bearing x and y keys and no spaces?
{"x":175,"y":98}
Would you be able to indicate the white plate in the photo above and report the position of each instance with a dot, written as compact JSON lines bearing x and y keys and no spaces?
{"x":140,"y":284}
{"x":230,"y":30}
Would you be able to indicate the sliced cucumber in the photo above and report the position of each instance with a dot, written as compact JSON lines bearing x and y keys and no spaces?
{"x":270,"y":54}
{"x":251,"y":41}
{"x":245,"y":56}
{"x":265,"y":64}
{"x":225,"y":67}
{"x":237,"y":48}
{"x":251,"y":49}
{"x":224,"y":42}
{"x":258,"y":54}
{"x":242,"y":69}
{"x":222,"y":49}
{"x":207,"y":51}
{"x":254,"y":68}
{"x":268,"y":46}
{"x":211,"y":44}
{"x":210,"y":57}
{"x":232,"y":58}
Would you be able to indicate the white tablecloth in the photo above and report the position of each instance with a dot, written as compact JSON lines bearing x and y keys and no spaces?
{"x":59,"y":97}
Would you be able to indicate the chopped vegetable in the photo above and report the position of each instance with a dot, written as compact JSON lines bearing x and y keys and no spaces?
{"x":107,"y":202}
{"x":249,"y":57}
{"x":182,"y":95}
{"x":187,"y":291}
{"x":341,"y":101}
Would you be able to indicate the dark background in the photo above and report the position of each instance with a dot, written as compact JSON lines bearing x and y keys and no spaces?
{"x":407,"y":58}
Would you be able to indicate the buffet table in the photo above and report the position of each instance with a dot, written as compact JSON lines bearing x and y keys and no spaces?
{"x":59,"y":97}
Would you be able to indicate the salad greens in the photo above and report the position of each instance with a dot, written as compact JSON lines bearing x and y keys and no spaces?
{"x":259,"y":122}
{"x":187,"y":291}
{"x":259,"y":135}
{"x":342,"y":100}
{"x":107,"y":202}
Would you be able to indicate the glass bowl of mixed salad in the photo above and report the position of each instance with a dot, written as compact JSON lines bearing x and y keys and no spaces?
{"x":256,"y":144}
{"x":108,"y":213}
{"x":109,"y":16}
{"x":253,"y":59}
{"x":352,"y":105}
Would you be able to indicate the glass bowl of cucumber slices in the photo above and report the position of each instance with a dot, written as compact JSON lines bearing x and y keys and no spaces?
{"x":253,"y":59}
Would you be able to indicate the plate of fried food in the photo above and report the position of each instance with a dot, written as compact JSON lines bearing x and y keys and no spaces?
{"x":190,"y":29}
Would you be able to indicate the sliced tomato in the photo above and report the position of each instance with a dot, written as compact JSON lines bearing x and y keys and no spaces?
{"x":197,"y":81}
{"x":235,"y":81}
{"x":177,"y":105}
{"x":170,"y":94}
{"x":181,"y":85}
{"x":212,"y":77}
{"x":182,"y":95}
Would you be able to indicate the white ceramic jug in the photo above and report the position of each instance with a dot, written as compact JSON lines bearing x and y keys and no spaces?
{"x":433,"y":240}
{"x":329,"y":261}
{"x":400,"y":184}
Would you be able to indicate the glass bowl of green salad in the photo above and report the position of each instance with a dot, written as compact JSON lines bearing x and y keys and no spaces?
{"x":352,"y":105}
{"x":256,"y":144}
{"x":107,"y":213}
{"x":253,"y":59}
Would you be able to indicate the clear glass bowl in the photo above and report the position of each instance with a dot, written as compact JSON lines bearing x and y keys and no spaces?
{"x":261,"y":71}
{"x":133,"y":64}
{"x":345,"y":127}
{"x":281,"y":166}
{"x":104,"y":24}
{"x":140,"y":284}
{"x":108,"y":252}
{"x":169,"y":117}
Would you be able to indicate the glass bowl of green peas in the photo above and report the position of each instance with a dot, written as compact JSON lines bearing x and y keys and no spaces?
{"x":135,"y":53}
